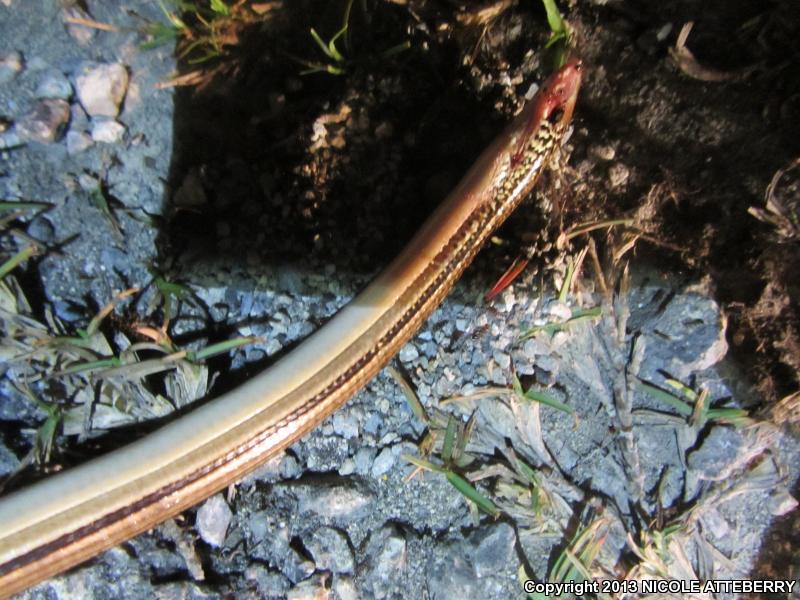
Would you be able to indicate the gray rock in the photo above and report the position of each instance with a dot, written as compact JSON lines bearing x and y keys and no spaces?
{"x":8,"y":461}
{"x":269,"y":584}
{"x":685,"y":336}
{"x":386,"y":552}
{"x":502,"y":359}
{"x":10,"y":139}
{"x":363,"y":460}
{"x":718,"y":450}
{"x":330,"y":550}
{"x":494,"y":549}
{"x":454,"y":579}
{"x":161,"y":560}
{"x":270,"y":543}
{"x":78,"y":141}
{"x":408,"y":353}
{"x":289,"y":467}
{"x":46,"y":122}
{"x":373,"y":424}
{"x":347,"y":501}
{"x":325,"y":453}
{"x":101,"y":88}
{"x":107,"y":131}
{"x":182,"y":590}
{"x":345,"y":425}
{"x":42,"y":229}
{"x":348,"y":467}
{"x":296,"y":568}
{"x":781,"y":502}
{"x":213,"y":519}
{"x":68,"y":311}
{"x":11,"y":65}
{"x":344,"y":588}
{"x":618,"y":175}
{"x":114,"y":574}
{"x":55,"y":85}
{"x":383,"y":463}
{"x":89,"y":182}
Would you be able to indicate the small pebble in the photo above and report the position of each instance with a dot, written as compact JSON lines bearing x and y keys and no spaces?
{"x":88,"y":182}
{"x":107,"y":132}
{"x":55,"y":85}
{"x":330,"y":550}
{"x":10,"y":139}
{"x":781,"y":503}
{"x":11,"y":65}
{"x":502,"y":359}
{"x":101,"y":89}
{"x":602,"y":151}
{"x":383,"y":463}
{"x":345,"y":425}
{"x":46,"y":122}
{"x":560,"y":311}
{"x":373,"y":424}
{"x":348,"y":467}
{"x":78,"y":141}
{"x":618,"y":175}
{"x":408,"y":353}
{"x":213,"y":519}
{"x":289,"y":467}
{"x":363,"y":460}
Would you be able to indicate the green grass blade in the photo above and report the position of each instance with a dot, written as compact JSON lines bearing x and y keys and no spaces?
{"x":731,"y":416}
{"x":20,"y":257}
{"x":682,"y":388}
{"x":469,"y":492}
{"x":449,"y":439}
{"x":219,"y":7}
{"x":92,"y":365}
{"x":333,"y":52}
{"x":554,"y":19}
{"x":422,"y":463}
{"x":562,"y":294}
{"x":653,"y":391}
{"x":395,"y":50}
{"x":584,"y":314}
{"x":22,"y":205}
{"x":411,"y":396}
{"x":548,"y":400}
{"x":322,"y":45}
{"x":222,"y":347}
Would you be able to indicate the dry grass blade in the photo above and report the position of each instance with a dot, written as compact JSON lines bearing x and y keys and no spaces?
{"x":94,"y":324}
{"x":487,"y":392}
{"x":410,"y":394}
{"x":787,"y":410}
{"x":91,"y":23}
{"x":782,"y":203}
{"x":484,"y":14}
{"x":687,"y":62}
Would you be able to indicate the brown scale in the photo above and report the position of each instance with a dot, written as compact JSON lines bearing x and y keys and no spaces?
{"x":543,"y":216}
